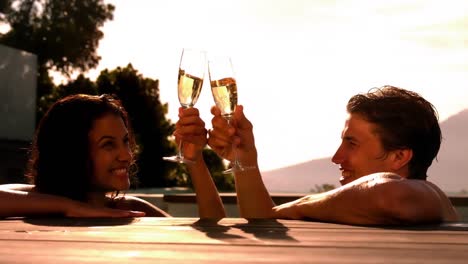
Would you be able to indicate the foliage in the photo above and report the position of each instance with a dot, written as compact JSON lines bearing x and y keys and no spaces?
{"x":63,"y":34}
{"x":224,"y":182}
{"x":216,"y":166}
{"x":322,"y":188}
{"x":80,"y":85}
{"x":3,"y":7}
{"x":140,"y":97}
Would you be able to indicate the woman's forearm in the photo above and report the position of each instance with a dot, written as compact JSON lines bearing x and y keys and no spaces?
{"x":21,"y":203}
{"x":208,"y":199}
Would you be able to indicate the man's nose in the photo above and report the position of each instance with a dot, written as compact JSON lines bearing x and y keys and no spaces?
{"x":338,"y":157}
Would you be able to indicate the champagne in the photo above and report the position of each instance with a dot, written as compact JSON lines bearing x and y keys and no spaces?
{"x":225,"y":95}
{"x":189,"y":88}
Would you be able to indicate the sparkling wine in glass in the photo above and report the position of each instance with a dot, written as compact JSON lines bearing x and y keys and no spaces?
{"x":224,"y":90}
{"x":190,"y":81}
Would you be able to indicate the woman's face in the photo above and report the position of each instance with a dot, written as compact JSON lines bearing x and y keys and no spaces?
{"x":110,"y":153}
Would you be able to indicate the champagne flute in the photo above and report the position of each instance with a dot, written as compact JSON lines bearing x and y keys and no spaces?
{"x":224,"y":90}
{"x":190,"y":81}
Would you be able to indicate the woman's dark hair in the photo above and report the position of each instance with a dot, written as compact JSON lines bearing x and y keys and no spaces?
{"x":404,"y":119}
{"x":60,"y":161}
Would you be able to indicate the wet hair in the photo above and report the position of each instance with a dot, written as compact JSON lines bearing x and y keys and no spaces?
{"x":404,"y":120}
{"x":60,"y":162}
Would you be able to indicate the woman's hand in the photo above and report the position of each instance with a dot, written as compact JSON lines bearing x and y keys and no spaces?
{"x":190,"y":129}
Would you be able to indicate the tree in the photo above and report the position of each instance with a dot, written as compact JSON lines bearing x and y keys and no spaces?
{"x":224,"y":182}
{"x":63,"y":34}
{"x":3,"y":7}
{"x":322,"y":188}
{"x":81,"y":85}
{"x":140,"y":97}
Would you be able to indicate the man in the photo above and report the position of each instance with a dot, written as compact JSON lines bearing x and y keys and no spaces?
{"x":390,"y":139}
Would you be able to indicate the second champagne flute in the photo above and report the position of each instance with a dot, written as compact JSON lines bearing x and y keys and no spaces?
{"x":224,"y":90}
{"x":190,"y":81}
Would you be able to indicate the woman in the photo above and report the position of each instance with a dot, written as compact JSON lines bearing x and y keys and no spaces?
{"x":83,"y":151}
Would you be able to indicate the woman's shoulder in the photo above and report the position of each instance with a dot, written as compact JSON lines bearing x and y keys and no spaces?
{"x":18,"y":187}
{"x":128,"y":202}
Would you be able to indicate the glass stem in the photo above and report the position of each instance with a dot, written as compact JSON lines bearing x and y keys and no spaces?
{"x":236,"y":160}
{"x":179,"y":152}
{"x":236,"y":165}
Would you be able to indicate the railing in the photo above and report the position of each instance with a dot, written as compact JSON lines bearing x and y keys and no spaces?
{"x":184,"y":204}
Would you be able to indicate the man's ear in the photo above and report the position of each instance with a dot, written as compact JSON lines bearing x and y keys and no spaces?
{"x":401,"y":158}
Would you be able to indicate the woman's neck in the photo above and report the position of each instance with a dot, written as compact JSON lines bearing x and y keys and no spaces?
{"x":97,"y":198}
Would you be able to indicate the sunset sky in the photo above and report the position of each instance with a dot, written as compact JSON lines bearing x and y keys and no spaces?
{"x":297,"y":62}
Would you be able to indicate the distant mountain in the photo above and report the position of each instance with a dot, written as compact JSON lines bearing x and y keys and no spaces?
{"x":302,"y":177}
{"x":449,"y":171}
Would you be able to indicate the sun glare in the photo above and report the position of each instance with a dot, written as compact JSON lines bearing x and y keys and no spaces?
{"x":313,"y":55}
{"x":4,"y":28}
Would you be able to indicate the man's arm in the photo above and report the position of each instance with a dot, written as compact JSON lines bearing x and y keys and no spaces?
{"x":377,"y":199}
{"x":381,"y":198}
{"x":253,"y":199}
{"x":23,"y":203}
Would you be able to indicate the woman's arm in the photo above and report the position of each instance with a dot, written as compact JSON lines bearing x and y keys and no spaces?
{"x":17,"y":203}
{"x":191,"y":130}
{"x":132,"y":203}
{"x":209,"y":202}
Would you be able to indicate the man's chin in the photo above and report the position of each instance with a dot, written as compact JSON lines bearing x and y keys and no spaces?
{"x":345,"y":180}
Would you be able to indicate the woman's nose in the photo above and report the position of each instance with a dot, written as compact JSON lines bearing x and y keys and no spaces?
{"x":125,"y":153}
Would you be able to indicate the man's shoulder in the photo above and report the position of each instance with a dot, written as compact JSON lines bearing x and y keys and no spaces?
{"x":394,"y":184}
{"x":394,"y":191}
{"x":376,"y":180}
{"x":410,"y":200}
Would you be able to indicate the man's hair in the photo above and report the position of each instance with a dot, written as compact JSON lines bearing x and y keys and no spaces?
{"x":60,"y":162}
{"x":404,"y":120}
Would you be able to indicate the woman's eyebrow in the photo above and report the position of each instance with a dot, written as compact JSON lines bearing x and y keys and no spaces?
{"x":105,"y":137}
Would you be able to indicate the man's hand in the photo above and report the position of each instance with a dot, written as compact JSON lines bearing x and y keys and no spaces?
{"x":239,"y":133}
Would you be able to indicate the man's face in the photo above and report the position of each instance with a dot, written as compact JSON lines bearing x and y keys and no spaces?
{"x":361,"y":152}
{"x":110,"y":153}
